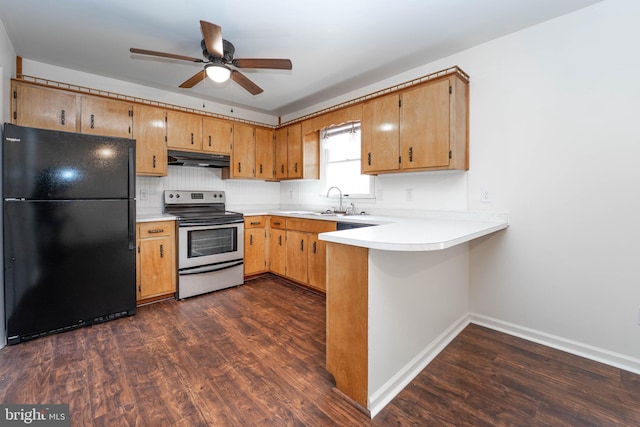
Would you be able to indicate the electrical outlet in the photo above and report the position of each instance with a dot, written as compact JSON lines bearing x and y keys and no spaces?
{"x":143,"y":194}
{"x":485,"y":196}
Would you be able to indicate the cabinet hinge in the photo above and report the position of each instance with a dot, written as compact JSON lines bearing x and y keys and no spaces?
{"x":130,"y":113}
{"x":450,"y":90}
{"x":449,"y":153}
{"x":400,"y":103}
{"x":15,"y":115}
{"x":15,"y":94}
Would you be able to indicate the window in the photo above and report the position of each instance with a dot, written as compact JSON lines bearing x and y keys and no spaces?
{"x":340,"y":160}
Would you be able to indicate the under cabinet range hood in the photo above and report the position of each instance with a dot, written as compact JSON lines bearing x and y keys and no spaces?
{"x":187,"y":158}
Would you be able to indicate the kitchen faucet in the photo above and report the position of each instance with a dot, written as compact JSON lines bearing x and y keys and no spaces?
{"x":340,"y":191}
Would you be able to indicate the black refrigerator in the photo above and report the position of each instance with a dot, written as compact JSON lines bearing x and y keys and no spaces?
{"x":68,"y":230}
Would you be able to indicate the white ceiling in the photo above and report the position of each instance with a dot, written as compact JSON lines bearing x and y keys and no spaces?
{"x":336,"y":46}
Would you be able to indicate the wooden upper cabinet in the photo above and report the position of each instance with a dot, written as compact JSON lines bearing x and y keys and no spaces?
{"x":381,"y":134}
{"x":243,"y":161}
{"x":281,"y":153}
{"x":217,"y":135}
{"x":430,"y":132}
{"x":265,"y":151}
{"x":424,"y":130}
{"x":294,"y":151}
{"x":149,"y":131}
{"x":103,"y":116}
{"x":184,"y":131}
{"x":45,"y":108}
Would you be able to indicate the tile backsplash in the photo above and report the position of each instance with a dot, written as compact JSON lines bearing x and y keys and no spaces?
{"x":240,"y":193}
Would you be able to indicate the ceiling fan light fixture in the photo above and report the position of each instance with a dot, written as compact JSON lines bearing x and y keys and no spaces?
{"x":218,"y":73}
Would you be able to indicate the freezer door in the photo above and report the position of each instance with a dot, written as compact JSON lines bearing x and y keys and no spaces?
{"x":52,"y":165}
{"x":66,"y":263}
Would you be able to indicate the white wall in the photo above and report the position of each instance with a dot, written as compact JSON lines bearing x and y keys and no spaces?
{"x":553,"y":137}
{"x":243,"y":195}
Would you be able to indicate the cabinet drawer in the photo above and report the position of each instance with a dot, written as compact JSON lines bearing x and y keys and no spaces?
{"x":254,"y":222}
{"x":278,"y":222}
{"x":310,"y":225}
{"x":156,"y":229}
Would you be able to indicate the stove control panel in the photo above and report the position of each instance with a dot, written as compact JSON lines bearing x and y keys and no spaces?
{"x":180,"y":197}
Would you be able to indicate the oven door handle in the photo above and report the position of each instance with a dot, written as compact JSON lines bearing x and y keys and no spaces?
{"x":210,"y":268}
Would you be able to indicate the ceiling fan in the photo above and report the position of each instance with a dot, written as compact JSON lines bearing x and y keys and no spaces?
{"x":219,"y":60}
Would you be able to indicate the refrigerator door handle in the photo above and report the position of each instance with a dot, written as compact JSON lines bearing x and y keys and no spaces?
{"x":132,"y":199}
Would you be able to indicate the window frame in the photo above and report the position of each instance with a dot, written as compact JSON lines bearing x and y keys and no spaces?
{"x":324,"y":181}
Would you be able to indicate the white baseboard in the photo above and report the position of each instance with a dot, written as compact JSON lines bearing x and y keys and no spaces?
{"x":385,"y":394}
{"x":597,"y":354}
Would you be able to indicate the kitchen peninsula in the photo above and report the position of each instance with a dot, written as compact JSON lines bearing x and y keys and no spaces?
{"x":397,"y":294}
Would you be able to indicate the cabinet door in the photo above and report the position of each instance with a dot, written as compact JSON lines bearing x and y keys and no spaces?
{"x":217,"y":135}
{"x":281,"y":153}
{"x":254,"y":251}
{"x":294,"y":151}
{"x":277,"y":251}
{"x":184,"y":131}
{"x":149,"y":132}
{"x":381,"y":134}
{"x":297,"y":256}
{"x":157,"y":276}
{"x":45,"y":108}
{"x":102,"y":116}
{"x":424,"y":128}
{"x":265,"y":168}
{"x":317,"y":263}
{"x":244,"y":151}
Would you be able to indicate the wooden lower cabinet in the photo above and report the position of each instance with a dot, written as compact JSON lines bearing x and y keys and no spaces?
{"x":156,"y":260}
{"x":255,"y":245}
{"x":317,"y":263}
{"x":294,"y":250}
{"x":297,"y":256}
{"x":277,"y":251}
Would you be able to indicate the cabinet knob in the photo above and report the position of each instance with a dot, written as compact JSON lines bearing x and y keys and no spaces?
{"x":302,"y":245}
{"x":62,"y":119}
{"x":250,"y":239}
{"x":411,"y":154}
{"x":154,"y":161}
{"x":161,"y":251}
{"x":314,"y":248}
{"x":93,"y":121}
{"x":369,"y":158}
{"x":191,"y":138}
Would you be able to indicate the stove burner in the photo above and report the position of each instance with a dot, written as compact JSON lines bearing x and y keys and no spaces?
{"x":199,"y":208}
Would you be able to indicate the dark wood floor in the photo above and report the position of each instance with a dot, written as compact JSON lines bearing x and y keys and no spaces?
{"x":254,"y":355}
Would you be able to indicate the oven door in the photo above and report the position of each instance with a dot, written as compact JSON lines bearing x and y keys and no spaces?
{"x":210,"y":244}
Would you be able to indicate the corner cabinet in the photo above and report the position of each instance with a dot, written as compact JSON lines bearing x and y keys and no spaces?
{"x":421,"y":128}
{"x":297,"y":156}
{"x":156,"y":260}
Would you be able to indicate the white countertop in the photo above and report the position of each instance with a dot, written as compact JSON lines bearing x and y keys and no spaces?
{"x":428,"y":231}
{"x":412,"y":234}
{"x":155,"y":217}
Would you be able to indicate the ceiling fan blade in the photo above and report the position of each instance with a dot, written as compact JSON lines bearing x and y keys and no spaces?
{"x":243,"y":81}
{"x":194,"y":80}
{"x":276,"y":64}
{"x":212,"y":34}
{"x":164,"y":55}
